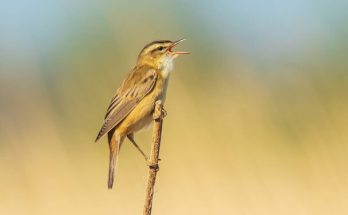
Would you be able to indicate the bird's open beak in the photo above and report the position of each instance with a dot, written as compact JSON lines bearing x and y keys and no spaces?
{"x":175,"y":53}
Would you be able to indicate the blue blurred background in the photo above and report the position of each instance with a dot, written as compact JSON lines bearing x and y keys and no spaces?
{"x":257,"y":114}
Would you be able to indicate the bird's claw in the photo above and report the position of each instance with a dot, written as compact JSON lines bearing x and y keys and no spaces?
{"x":161,"y":114}
{"x":164,"y":113}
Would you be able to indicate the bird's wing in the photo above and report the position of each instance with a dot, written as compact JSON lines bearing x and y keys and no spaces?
{"x":133,"y":89}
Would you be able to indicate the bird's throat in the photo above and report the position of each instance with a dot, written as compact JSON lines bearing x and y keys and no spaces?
{"x":166,"y":67}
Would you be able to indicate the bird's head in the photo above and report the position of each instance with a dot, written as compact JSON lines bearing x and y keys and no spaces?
{"x":159,"y":52}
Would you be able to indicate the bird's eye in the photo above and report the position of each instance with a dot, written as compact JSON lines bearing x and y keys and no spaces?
{"x":160,"y":48}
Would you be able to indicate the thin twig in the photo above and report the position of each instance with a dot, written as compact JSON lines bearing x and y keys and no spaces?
{"x":154,"y":154}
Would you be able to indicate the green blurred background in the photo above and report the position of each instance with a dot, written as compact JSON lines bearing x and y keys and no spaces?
{"x":257,"y":114}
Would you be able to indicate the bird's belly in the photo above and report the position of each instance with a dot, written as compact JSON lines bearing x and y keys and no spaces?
{"x":141,"y":116}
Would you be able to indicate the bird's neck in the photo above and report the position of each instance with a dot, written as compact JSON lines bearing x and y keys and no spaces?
{"x":164,"y":66}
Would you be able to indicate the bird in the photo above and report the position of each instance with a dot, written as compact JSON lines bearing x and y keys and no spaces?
{"x":131,"y":108}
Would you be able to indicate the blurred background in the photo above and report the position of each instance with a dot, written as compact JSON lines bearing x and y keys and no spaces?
{"x":257,"y":114}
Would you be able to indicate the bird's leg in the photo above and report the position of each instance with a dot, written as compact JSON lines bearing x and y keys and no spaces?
{"x":131,"y":138}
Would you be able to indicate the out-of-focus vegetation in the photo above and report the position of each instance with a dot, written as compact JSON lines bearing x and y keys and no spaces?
{"x":257,"y":114}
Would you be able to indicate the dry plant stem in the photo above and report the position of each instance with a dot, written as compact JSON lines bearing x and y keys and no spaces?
{"x":154,"y":154}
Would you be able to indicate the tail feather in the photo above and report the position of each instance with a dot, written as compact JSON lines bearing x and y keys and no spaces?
{"x":115,"y":143}
{"x":111,"y":171}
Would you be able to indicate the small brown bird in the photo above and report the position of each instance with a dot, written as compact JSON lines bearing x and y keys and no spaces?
{"x":131,"y":109}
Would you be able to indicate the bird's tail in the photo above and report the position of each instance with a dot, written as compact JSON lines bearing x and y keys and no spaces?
{"x":115,"y":143}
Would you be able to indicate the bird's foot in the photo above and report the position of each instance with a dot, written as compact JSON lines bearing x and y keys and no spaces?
{"x":164,"y":113}
{"x":160,"y":113}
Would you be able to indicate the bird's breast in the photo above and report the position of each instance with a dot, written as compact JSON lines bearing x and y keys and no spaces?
{"x":160,"y":89}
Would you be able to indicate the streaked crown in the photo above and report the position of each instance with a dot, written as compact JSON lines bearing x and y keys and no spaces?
{"x":155,"y":48}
